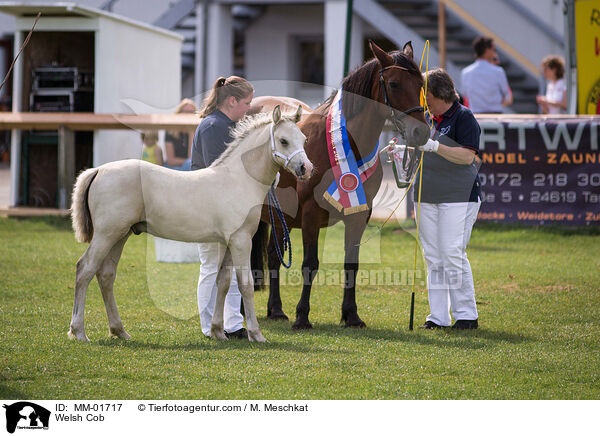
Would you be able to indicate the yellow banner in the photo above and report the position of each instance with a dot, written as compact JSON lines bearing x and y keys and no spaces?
{"x":587,"y":26}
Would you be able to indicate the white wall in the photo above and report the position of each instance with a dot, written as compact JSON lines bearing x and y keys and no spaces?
{"x":270,"y":45}
{"x":549,"y":11}
{"x":134,"y":64}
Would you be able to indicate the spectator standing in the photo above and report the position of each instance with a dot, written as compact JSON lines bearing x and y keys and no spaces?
{"x":151,"y":151}
{"x":178,"y":145}
{"x":485,"y":86}
{"x":555,"y":100}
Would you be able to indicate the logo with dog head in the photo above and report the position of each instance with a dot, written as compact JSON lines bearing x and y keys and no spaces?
{"x":26,"y":415}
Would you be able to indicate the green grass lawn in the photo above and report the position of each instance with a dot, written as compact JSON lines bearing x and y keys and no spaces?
{"x":537,"y":293}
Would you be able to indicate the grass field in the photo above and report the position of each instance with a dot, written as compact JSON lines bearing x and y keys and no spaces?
{"x":539,"y":338}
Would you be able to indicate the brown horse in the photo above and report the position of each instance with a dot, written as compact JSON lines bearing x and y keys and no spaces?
{"x":387,"y":85}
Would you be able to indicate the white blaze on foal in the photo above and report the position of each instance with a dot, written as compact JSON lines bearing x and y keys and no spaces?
{"x":221,"y":203}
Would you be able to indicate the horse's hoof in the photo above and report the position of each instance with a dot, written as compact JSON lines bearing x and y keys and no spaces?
{"x":82,"y":337}
{"x":256,"y":336}
{"x":302,"y":325}
{"x":356,"y":324}
{"x":120,"y":334}
{"x":278,"y":315}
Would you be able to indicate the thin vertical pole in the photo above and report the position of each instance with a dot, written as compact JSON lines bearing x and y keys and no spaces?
{"x":442,"y":33}
{"x":349,"y":10}
{"x":66,"y":166}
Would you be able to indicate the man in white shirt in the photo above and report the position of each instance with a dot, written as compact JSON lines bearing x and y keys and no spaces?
{"x":484,"y":84}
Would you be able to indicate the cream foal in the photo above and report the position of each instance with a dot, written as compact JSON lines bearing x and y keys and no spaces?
{"x":221,"y":203}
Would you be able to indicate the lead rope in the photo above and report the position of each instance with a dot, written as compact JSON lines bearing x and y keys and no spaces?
{"x":420,"y":169}
{"x":287,"y":242}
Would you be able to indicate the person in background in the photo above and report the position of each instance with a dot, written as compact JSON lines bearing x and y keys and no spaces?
{"x":485,"y":86}
{"x":555,"y":100}
{"x":450,"y":200}
{"x":227,"y":103}
{"x":151,"y":151}
{"x":178,"y":145}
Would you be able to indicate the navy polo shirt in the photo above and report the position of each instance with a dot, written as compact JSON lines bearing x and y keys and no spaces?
{"x":211,"y":139}
{"x":445,"y":181}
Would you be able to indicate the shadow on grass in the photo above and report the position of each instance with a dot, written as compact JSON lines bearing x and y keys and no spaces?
{"x":215,"y":345}
{"x":12,"y":394}
{"x":442,"y":338}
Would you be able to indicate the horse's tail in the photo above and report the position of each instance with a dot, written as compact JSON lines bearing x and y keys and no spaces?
{"x":258,"y":255}
{"x":80,"y":211}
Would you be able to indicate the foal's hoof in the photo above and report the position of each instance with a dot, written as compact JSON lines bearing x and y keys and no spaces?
{"x":277,"y":314}
{"x":80,"y":337}
{"x":120,"y":334}
{"x":302,"y":325}
{"x":219,"y":334}
{"x":256,"y":336}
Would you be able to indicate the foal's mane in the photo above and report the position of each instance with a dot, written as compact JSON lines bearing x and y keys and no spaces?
{"x":246,"y":127}
{"x":357,"y":85}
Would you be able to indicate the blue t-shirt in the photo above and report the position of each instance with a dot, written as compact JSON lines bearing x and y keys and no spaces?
{"x":211,"y":139}
{"x":485,"y":86}
{"x":445,"y":181}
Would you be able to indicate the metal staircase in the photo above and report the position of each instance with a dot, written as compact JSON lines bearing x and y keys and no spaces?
{"x":422,"y":17}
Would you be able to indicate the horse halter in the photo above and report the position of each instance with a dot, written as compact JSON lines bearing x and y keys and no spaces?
{"x":276,"y":154}
{"x":387,"y":102}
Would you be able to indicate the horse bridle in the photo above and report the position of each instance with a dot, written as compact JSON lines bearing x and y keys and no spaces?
{"x":403,"y":114}
{"x":276,"y":154}
{"x":409,"y":159}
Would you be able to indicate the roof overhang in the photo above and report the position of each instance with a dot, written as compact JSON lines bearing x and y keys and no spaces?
{"x":74,"y":10}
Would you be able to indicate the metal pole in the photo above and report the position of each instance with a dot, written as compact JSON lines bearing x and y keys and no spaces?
{"x":349,"y":11}
{"x":442,"y":33}
{"x":412,"y":311}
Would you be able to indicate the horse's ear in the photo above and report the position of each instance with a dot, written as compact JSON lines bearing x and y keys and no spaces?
{"x":298,"y":113}
{"x":277,"y":114}
{"x":384,"y":59}
{"x":408,"y":50}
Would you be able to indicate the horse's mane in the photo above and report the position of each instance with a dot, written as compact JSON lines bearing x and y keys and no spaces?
{"x":357,"y":84}
{"x":244,"y":128}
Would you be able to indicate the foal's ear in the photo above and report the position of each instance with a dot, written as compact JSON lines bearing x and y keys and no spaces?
{"x":298,"y":114}
{"x":277,"y":114}
{"x":384,"y":59}
{"x":408,"y":50}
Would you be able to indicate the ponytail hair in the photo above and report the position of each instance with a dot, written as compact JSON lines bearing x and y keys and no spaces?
{"x":222,"y":89}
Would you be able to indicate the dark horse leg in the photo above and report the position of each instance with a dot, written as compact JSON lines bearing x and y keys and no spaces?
{"x":310,"y":267}
{"x":274,"y":309}
{"x":354,"y":229}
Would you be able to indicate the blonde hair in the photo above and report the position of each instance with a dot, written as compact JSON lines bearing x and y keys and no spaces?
{"x":233,"y":86}
{"x":186,"y":102}
{"x":150,"y":137}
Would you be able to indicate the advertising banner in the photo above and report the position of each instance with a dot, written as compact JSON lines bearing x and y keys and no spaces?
{"x":540,"y":170}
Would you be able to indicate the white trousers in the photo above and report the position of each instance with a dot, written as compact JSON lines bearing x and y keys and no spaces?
{"x":207,"y":291}
{"x":445,"y":230}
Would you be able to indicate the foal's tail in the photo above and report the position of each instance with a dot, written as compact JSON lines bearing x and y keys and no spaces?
{"x":80,"y":211}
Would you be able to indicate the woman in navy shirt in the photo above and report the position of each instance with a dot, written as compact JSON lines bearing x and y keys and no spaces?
{"x":450,"y":200}
{"x":227,"y":103}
